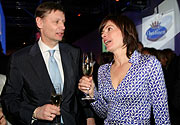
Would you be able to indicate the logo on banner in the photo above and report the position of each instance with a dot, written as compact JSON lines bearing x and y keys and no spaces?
{"x":156,"y":31}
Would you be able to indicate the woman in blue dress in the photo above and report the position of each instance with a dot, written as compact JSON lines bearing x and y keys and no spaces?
{"x":132,"y":85}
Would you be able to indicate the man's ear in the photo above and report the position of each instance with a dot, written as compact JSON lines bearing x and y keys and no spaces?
{"x":39,"y":22}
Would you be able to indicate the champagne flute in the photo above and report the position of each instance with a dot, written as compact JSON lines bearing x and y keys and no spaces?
{"x":56,"y":99}
{"x":87,"y":68}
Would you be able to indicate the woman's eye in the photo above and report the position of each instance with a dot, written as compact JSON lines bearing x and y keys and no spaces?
{"x":109,"y":29}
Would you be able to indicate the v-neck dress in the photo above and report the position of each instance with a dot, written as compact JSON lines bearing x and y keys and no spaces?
{"x":143,"y":87}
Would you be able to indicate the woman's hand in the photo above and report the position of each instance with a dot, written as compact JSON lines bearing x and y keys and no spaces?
{"x":86,"y":83}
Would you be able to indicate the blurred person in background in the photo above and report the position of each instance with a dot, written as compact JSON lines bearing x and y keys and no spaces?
{"x":161,"y":56}
{"x":175,"y":101}
{"x":2,"y":117}
{"x":172,"y":78}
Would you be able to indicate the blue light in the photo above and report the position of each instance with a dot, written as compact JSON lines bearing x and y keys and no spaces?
{"x":128,"y":3}
{"x":2,"y":30}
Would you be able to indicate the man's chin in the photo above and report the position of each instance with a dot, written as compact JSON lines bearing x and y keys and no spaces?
{"x":58,"y":40}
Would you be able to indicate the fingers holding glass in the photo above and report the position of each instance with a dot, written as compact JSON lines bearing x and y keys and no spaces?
{"x":56,"y":99}
{"x":87,"y":68}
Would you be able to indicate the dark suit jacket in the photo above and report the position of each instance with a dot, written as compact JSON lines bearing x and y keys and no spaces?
{"x":28,"y":85}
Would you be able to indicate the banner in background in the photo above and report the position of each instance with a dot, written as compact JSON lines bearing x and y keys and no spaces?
{"x":158,"y":30}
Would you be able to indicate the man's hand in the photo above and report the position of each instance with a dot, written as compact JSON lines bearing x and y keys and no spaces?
{"x":47,"y":112}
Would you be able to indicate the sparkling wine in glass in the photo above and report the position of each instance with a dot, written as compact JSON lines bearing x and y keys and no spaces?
{"x":87,"y":68}
{"x":56,"y":99}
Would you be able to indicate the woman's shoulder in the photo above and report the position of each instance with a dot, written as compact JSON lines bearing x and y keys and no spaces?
{"x":139,"y":58}
{"x":104,"y":67}
{"x":149,"y":59}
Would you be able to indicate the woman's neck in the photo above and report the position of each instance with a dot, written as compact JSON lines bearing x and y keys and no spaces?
{"x":120,"y":57}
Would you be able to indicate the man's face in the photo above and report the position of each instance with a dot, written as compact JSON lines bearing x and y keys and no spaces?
{"x":51,"y":27}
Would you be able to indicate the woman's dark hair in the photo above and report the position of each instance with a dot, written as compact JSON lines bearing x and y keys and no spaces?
{"x":128,"y":29}
{"x":47,"y":7}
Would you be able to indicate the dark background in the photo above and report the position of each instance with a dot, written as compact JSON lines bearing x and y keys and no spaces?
{"x":20,"y":22}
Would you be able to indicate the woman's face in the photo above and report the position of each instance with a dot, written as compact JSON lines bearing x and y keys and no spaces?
{"x":112,"y":37}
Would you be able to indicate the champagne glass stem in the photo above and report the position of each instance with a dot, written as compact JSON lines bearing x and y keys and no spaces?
{"x":88,"y":92}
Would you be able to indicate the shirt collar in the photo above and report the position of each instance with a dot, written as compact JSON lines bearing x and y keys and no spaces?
{"x":45,"y":48}
{"x":135,"y":57}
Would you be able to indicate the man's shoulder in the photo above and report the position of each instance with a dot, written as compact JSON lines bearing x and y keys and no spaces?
{"x":23,"y":51}
{"x":21,"y":54}
{"x":68,"y":45}
{"x":69,"y":48}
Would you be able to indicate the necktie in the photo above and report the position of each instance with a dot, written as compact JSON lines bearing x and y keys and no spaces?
{"x":54,"y":71}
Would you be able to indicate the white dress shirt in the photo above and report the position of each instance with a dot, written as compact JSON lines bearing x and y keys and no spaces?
{"x":57,"y":55}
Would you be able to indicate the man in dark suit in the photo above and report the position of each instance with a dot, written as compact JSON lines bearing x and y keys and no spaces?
{"x":27,"y":92}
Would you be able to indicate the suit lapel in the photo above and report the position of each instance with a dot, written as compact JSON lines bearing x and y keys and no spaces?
{"x":68,"y":70}
{"x":39,"y":66}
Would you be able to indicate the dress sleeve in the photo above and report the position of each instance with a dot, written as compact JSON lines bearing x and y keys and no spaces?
{"x":100,"y":104}
{"x":158,"y":93}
